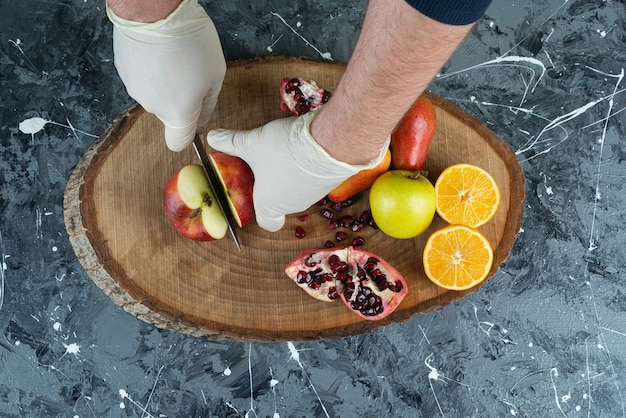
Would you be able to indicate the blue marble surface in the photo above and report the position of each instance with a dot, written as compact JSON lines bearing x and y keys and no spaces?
{"x":545,"y":337}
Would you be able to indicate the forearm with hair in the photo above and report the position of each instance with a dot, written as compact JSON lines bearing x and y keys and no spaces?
{"x":146,"y":11}
{"x":398,"y":53}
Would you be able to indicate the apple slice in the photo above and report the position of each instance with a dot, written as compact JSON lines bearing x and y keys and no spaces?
{"x":191,"y":206}
{"x":238,"y":182}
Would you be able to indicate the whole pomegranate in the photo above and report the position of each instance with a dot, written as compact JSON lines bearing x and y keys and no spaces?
{"x":367,"y":284}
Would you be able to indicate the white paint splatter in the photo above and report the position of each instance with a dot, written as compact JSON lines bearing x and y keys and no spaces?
{"x":3,"y":268}
{"x":73,"y":348}
{"x":57,"y":326}
{"x":295,"y":355}
{"x":36,"y":124}
{"x":124,"y":395}
{"x":555,"y":373}
{"x":227,"y":371}
{"x":32,"y":125}
{"x":325,"y":55}
{"x":270,"y":48}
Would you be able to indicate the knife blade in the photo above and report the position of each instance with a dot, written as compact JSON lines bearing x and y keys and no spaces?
{"x":216,"y":186}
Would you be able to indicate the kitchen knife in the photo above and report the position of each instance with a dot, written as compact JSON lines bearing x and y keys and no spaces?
{"x":216,"y":186}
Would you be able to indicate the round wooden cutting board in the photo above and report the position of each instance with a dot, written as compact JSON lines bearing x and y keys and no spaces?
{"x":117,"y":225}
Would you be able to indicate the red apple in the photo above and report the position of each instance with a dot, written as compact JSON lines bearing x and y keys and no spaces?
{"x":191,"y":206}
{"x":411,"y":138}
{"x":238,"y":182}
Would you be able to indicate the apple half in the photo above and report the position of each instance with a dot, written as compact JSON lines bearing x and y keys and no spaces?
{"x":191,"y":206}
{"x":238,"y":182}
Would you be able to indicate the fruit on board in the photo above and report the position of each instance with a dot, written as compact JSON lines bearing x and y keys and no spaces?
{"x":359,"y":181}
{"x":412,"y":137}
{"x":368,"y":285}
{"x":457,"y":257}
{"x":402,"y":203}
{"x":191,"y":206}
{"x":299,"y":96}
{"x":467,"y":195}
{"x":238,"y":182}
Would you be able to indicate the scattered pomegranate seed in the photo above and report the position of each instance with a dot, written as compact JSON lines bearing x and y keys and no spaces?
{"x":333,"y":224}
{"x":358,"y":242}
{"x":336,"y":206}
{"x":303,"y":217}
{"x":346,"y":203}
{"x":327,"y":213}
{"x":346,"y":221}
{"x":329,"y":244}
{"x":322,"y":201}
{"x":340,"y":236}
{"x":300,"y":232}
{"x":356,"y":226}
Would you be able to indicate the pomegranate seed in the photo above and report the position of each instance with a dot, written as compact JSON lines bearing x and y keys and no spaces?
{"x":300,"y":232}
{"x":357,"y":226}
{"x":310,"y":261}
{"x":346,"y":221}
{"x":329,"y":244}
{"x":358,"y":242}
{"x":303,"y":217}
{"x":346,"y":203}
{"x":370,"y":264}
{"x":327,"y":213}
{"x":301,"y":276}
{"x":332,"y":293}
{"x":322,"y":201}
{"x":333,"y":224}
{"x":340,"y":236}
{"x":339,"y":267}
{"x":336,"y":206}
{"x":333,"y":259}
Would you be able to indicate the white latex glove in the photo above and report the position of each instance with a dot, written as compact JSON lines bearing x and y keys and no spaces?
{"x":291,"y":170}
{"x":173,"y":67}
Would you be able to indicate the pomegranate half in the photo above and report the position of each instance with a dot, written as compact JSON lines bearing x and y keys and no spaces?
{"x":368,"y":285}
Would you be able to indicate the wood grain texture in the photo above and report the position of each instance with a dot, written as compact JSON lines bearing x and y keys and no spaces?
{"x":117,"y":226}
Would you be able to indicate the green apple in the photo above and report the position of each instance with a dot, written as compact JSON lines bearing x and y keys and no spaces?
{"x":403,"y":203}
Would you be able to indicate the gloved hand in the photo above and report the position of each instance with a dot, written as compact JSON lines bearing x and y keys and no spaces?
{"x":173,"y":67}
{"x":291,"y":170}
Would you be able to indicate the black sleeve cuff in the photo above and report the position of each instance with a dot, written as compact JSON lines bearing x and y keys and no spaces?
{"x":452,"y":12}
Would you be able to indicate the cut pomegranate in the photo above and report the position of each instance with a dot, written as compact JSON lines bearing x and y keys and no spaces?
{"x":367,"y":284}
{"x":300,"y":97}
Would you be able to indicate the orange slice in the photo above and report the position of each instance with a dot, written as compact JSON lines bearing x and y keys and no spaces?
{"x":457,"y":257}
{"x":467,"y":195}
